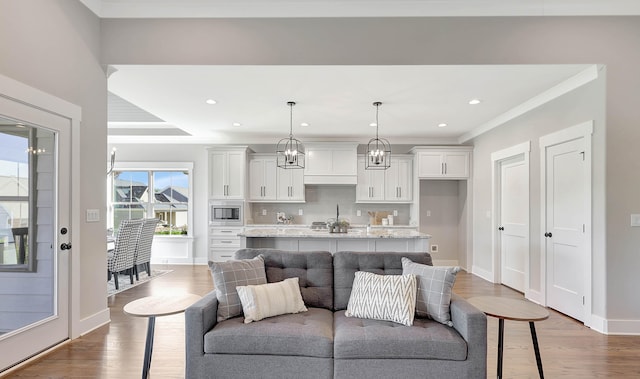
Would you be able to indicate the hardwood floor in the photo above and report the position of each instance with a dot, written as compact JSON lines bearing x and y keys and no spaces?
{"x":568,"y":349}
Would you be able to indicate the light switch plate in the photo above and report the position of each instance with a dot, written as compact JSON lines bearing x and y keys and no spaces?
{"x":635,"y":219}
{"x":93,"y":215}
{"x":264,"y":212}
{"x":358,"y":213}
{"x":395,"y":213}
{"x":300,"y":212}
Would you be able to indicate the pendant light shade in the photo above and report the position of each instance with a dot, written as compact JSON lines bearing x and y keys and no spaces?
{"x":290,"y":151}
{"x":378,"y":149}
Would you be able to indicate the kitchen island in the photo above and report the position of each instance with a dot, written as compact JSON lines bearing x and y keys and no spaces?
{"x":306,"y":239}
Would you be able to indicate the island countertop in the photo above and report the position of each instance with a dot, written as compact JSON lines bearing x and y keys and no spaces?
{"x":288,"y":232}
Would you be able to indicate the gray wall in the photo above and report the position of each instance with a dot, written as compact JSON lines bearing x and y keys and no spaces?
{"x":491,"y":40}
{"x":54,"y":46}
{"x":583,"y":104}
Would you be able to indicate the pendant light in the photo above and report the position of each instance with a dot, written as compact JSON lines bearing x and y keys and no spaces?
{"x":290,"y":151}
{"x":378,"y":149}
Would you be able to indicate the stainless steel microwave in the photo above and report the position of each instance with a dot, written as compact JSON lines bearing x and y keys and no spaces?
{"x":226,"y":213}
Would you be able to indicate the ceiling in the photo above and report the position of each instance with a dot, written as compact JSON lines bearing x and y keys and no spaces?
{"x":357,"y":8}
{"x":168,"y":103}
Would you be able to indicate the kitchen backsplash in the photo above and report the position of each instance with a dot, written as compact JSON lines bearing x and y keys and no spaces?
{"x":321,"y":204}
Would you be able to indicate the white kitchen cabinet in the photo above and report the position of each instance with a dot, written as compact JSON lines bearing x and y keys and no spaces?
{"x":223,"y":242}
{"x":443,"y":164}
{"x":227,"y":173}
{"x":331,"y":163}
{"x":371,"y":184}
{"x":393,"y":185}
{"x":398,"y":180}
{"x":262,"y":178}
{"x":290,"y":185}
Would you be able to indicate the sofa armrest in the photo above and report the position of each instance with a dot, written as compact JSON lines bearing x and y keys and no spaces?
{"x":471,"y":323}
{"x":199,"y":319}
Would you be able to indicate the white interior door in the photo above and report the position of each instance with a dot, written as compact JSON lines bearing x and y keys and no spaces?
{"x":566,"y":219}
{"x":34,"y":301}
{"x":514,"y":222}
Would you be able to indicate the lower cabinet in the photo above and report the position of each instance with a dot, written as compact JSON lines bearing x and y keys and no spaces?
{"x":223,"y":242}
{"x":333,"y":245}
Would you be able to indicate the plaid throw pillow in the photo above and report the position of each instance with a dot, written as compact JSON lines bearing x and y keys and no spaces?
{"x":231,"y":274}
{"x":435,"y":285}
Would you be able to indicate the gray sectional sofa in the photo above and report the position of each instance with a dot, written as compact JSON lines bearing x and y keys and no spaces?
{"x":323,"y":342}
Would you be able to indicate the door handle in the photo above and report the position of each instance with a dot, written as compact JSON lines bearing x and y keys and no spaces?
{"x":65,"y":246}
{"x":501,"y":228}
{"x":549,"y":235}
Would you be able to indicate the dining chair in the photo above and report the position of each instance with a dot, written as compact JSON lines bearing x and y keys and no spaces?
{"x":143,"y":247}
{"x":122,"y":257}
{"x":20,"y":239}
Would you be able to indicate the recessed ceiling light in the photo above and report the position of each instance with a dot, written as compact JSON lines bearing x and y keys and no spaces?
{"x":442,"y":125}
{"x":373,"y":124}
{"x":474,"y":101}
{"x":304,"y":124}
{"x":210,"y":101}
{"x":237,"y":124}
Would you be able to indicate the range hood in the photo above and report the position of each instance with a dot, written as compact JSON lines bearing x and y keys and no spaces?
{"x":334,"y":163}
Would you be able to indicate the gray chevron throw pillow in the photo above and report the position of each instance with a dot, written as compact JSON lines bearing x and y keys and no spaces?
{"x":383,"y":297}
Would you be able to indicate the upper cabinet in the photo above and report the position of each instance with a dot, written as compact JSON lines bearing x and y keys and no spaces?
{"x":443,"y":162}
{"x":262,"y":178}
{"x":399,"y":179}
{"x":393,"y":185}
{"x":227,"y":172}
{"x":269,"y":183}
{"x":290,"y":185}
{"x":331,"y":163}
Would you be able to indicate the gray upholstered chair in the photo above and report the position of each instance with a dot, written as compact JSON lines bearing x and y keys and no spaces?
{"x":143,"y":247}
{"x":122,"y":257}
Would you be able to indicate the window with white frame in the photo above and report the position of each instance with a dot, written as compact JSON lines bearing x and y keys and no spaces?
{"x":148,"y":190}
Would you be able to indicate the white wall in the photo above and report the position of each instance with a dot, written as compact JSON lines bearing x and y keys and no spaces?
{"x":197,"y":154}
{"x":54,"y":46}
{"x":495,"y":40}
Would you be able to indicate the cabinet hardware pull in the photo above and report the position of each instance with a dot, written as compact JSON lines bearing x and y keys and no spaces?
{"x":226,"y":241}
{"x":445,"y":168}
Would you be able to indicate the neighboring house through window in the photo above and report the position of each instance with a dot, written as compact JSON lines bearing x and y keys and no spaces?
{"x":147,"y":190}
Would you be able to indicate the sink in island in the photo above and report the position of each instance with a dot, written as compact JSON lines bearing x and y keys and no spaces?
{"x":357,"y":239}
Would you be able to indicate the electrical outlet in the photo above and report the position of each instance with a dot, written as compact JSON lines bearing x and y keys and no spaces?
{"x":264,"y":212}
{"x":300,"y":212}
{"x":434,"y":248}
{"x":428,"y":213}
{"x":395,"y":213}
{"x":358,"y":213}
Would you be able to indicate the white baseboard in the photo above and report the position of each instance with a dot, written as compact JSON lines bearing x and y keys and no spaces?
{"x":615,"y":327}
{"x":533,"y":295}
{"x":484,"y":274}
{"x":201,"y":261}
{"x":445,"y":262}
{"x":172,"y":261}
{"x":94,"y":321}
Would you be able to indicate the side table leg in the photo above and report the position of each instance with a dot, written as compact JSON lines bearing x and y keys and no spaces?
{"x":536,"y":348}
{"x":148,"y":349}
{"x":500,"y":345}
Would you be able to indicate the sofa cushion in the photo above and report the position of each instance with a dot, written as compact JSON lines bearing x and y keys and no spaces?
{"x":357,"y":338}
{"x":230,"y":274}
{"x":271,"y":299}
{"x":383,"y":297}
{"x":308,"y":334}
{"x":314,"y":270}
{"x":347,"y":263}
{"x":435,"y":285}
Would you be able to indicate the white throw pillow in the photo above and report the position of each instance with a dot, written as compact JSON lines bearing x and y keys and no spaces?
{"x":383,"y":297}
{"x":435,"y":285}
{"x":271,"y":299}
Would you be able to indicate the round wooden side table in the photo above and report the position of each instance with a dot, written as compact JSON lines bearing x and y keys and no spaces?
{"x":504,"y":308}
{"x":153,"y":306}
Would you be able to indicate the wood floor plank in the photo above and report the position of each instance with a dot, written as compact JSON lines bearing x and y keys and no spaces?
{"x":568,"y":348}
